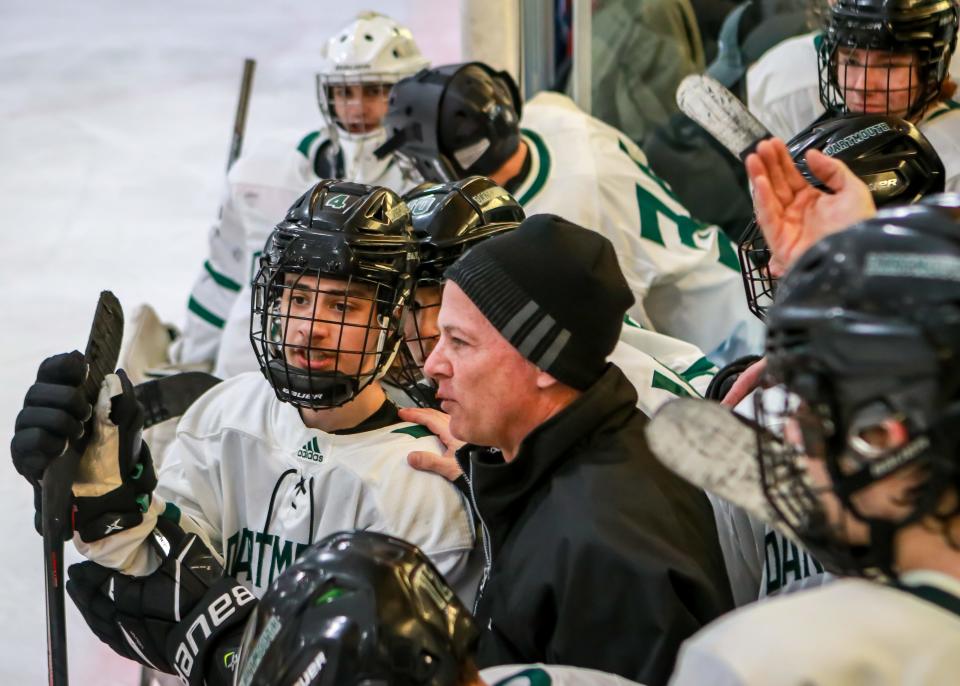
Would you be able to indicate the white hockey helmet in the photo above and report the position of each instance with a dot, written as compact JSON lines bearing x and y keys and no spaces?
{"x":373,"y":51}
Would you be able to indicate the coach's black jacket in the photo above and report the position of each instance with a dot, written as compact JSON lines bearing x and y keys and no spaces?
{"x":601,"y":557}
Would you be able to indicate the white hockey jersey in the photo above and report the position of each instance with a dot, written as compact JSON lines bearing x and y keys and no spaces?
{"x":850,"y":633}
{"x":261,"y":187}
{"x":786,"y":106}
{"x":549,"y":675}
{"x":761,"y":562}
{"x":660,"y":368}
{"x":685,"y":274}
{"x":261,"y":486}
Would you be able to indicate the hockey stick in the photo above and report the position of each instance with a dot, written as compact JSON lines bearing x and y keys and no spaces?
{"x":171,"y":396}
{"x":716,"y":450}
{"x":103,"y":349}
{"x":717,"y":110}
{"x":240,"y":118}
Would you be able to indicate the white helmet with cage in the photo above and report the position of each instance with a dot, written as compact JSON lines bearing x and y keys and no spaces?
{"x":361,"y":63}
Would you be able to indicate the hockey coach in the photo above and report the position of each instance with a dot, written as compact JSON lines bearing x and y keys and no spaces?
{"x":596,"y":555}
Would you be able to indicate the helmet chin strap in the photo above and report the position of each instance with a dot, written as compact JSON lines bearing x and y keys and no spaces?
{"x":359,"y":162}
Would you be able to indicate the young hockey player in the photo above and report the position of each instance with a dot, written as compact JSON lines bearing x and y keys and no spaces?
{"x":448,"y":219}
{"x":357,"y":607}
{"x":360,"y":64}
{"x":864,"y":340}
{"x":875,"y":56}
{"x":459,"y":120}
{"x":262,"y":467}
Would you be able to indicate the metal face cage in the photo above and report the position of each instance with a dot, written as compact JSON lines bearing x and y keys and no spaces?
{"x":758,"y":282}
{"x":322,"y":339}
{"x":885,"y":58}
{"x":355,"y":104}
{"x":420,"y":336}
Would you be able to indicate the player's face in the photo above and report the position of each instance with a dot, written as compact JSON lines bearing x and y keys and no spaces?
{"x":420,"y":330}
{"x":360,"y":107}
{"x":877,"y":81}
{"x":885,"y":499}
{"x":329,"y":325}
{"x":483,"y":383}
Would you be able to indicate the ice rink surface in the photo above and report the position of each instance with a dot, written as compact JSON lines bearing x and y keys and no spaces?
{"x":116,"y":121}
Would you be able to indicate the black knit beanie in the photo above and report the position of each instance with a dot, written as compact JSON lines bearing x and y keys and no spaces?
{"x":554,"y":290}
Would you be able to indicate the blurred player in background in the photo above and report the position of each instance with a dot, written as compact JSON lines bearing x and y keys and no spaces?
{"x":360,"y":64}
{"x":874,"y":56}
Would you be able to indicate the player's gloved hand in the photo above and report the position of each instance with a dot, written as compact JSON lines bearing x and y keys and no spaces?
{"x":54,"y":413}
{"x":115,"y":478}
{"x":178,"y":619}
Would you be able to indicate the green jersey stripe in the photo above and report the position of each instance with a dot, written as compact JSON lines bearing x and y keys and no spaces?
{"x":698,"y":368}
{"x":204,"y":314}
{"x":648,"y":172}
{"x":221,"y":280}
{"x":542,"y":173}
{"x":417,"y":431}
{"x":528,"y":677}
{"x":308,"y":140}
{"x":662,"y":382}
{"x":948,"y":106}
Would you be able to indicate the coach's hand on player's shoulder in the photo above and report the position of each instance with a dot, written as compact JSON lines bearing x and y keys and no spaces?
{"x":439,"y":424}
{"x":794,"y":215}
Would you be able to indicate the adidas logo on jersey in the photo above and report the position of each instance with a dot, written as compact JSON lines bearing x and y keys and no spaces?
{"x":311,"y":451}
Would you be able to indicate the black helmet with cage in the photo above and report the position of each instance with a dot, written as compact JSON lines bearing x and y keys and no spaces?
{"x":448,"y":218}
{"x":328,"y":298}
{"x":865,"y":331}
{"x":358,"y":608}
{"x":454,"y":121}
{"x":889,"y":154}
{"x":886,"y":56}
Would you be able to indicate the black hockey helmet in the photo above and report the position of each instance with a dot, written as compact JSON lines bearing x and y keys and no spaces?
{"x":916,"y":35}
{"x":358,"y":608}
{"x":889,"y":154}
{"x":454,"y":121}
{"x":320,"y":345}
{"x":866,"y":327}
{"x":448,"y":218}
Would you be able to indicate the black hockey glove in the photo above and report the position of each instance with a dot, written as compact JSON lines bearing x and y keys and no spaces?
{"x":115,"y":478}
{"x":54,"y":412}
{"x":186,"y":618}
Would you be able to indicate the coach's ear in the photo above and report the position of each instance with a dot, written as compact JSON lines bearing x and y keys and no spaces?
{"x":545,"y":380}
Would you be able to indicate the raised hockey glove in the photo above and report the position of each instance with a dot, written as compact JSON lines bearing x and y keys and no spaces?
{"x":180,"y":619}
{"x":116,"y":477}
{"x":54,"y":413}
